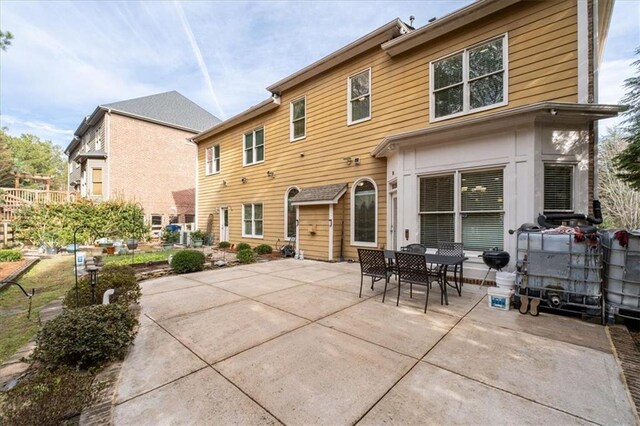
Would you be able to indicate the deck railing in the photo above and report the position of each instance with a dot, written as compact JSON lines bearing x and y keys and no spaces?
{"x":11,"y":199}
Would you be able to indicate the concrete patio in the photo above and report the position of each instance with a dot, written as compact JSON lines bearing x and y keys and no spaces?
{"x":290,"y":342}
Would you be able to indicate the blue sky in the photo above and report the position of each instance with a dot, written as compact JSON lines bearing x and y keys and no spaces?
{"x":69,"y":57}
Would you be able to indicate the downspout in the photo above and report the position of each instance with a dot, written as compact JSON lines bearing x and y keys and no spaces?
{"x":342,"y":229}
{"x":197,"y":222}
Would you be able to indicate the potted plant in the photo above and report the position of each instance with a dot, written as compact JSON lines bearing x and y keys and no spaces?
{"x":169,"y":238}
{"x":197,"y":238}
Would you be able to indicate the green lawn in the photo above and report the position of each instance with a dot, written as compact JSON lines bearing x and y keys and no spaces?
{"x":51,"y":278}
{"x":141,"y":257}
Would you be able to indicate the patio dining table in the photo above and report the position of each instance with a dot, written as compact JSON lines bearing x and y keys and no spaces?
{"x":443,"y":263}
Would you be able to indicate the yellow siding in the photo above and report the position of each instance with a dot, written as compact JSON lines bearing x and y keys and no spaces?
{"x":542,"y":67}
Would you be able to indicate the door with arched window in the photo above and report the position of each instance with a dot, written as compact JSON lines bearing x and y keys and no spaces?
{"x":364,"y":213}
{"x":291,"y":214}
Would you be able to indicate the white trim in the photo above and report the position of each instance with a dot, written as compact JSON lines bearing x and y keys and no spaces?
{"x":466,"y":97}
{"x":330,"y":232}
{"x":253,"y":221}
{"x":353,"y":230}
{"x":583,"y":52}
{"x":349,"y":113}
{"x":213,"y":170}
{"x":253,"y":149}
{"x":197,"y":183}
{"x":291,"y":136}
{"x":286,"y":211}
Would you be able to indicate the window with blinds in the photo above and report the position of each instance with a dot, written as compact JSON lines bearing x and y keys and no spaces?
{"x":558,"y":187}
{"x":482,"y":209}
{"x":437,"y":215}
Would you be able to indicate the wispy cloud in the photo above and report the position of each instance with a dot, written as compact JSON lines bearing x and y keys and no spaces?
{"x":198,"y":54}
{"x":47,"y":131}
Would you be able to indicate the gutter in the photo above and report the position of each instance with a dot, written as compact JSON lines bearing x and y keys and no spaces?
{"x":265,"y":106}
{"x":445,"y":25}
{"x":552,"y":109}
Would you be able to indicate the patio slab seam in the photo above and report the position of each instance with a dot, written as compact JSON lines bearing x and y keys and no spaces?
{"x":198,"y":310}
{"x":195,"y":284}
{"x":208,"y":365}
{"x":416,"y":363}
{"x":510,"y":393}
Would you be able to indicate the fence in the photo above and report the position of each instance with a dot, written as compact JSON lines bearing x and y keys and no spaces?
{"x":11,"y":199}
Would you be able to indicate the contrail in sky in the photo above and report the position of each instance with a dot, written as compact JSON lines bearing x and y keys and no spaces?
{"x":198,"y":54}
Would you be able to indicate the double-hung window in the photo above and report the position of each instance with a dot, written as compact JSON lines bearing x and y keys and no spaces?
{"x":212,"y":160}
{"x":558,"y":188}
{"x":253,"y":147}
{"x":467,"y":206}
{"x":471,"y":80}
{"x":252,"y":220}
{"x":298,"y":126}
{"x":359,"y":97}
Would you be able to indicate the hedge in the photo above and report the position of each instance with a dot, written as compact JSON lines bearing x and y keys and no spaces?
{"x":186,"y":261}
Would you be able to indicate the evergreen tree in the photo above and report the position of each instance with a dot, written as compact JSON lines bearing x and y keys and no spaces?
{"x":628,"y":161}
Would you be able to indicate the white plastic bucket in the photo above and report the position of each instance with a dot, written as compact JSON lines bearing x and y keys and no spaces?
{"x":506,"y":280}
{"x":499,"y":298}
{"x":81,"y":257}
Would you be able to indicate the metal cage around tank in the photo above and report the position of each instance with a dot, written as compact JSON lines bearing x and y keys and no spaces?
{"x":622,"y":274}
{"x":564,"y":271}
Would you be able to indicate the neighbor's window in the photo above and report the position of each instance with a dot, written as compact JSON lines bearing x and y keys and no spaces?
{"x":298,"y":114}
{"x":290,"y":216}
{"x":252,"y":220}
{"x":364,"y":212}
{"x":558,"y":187}
{"x":478,"y":217}
{"x":96,"y":181}
{"x":469,"y":80}
{"x":99,"y":138}
{"x":359,"y":97}
{"x":212,"y":160}
{"x":254,"y":147}
{"x":156,"y":223}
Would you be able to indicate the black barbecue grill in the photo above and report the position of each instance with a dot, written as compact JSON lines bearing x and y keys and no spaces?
{"x":494,"y":259}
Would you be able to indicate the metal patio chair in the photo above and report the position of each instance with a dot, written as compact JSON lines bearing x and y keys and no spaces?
{"x":374,"y":265}
{"x":414,"y":248}
{"x":448,"y":248}
{"x":413,"y":269}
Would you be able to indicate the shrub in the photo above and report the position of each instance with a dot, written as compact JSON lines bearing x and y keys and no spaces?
{"x":86,"y":337}
{"x":243,"y":246}
{"x":246,"y":256}
{"x":48,"y":397}
{"x":186,"y":261}
{"x":171,"y":237}
{"x":10,"y":255}
{"x":198,"y":235}
{"x":121,"y":278}
{"x":264,"y":249}
{"x":224,"y":244}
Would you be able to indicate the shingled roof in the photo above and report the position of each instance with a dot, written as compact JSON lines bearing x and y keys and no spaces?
{"x":325,"y":194}
{"x":170,"y":107}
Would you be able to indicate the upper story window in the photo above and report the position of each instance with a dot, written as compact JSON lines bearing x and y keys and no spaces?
{"x":298,"y":115}
{"x":558,"y":187}
{"x":212,"y":161}
{"x":471,"y":80}
{"x":359,"y":97}
{"x":253,"y":147}
{"x":99,"y":138}
{"x":364,"y":213}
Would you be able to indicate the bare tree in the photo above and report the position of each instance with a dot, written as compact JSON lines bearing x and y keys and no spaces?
{"x":620,"y":203}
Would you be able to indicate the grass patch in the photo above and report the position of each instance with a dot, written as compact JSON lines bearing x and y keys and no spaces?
{"x":51,"y":278}
{"x":138,"y":258}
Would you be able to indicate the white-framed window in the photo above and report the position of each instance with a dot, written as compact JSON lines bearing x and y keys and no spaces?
{"x":364,"y":213}
{"x":252,"y":220}
{"x":156,"y":224}
{"x":99,"y":144}
{"x":212,"y":160}
{"x":472,"y":80}
{"x":558,"y":187}
{"x":467,"y":204}
{"x":298,"y":119}
{"x":359,"y":97}
{"x":291,"y":213}
{"x":253,"y":147}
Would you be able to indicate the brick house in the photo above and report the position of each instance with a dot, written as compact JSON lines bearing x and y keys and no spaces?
{"x":140,"y":149}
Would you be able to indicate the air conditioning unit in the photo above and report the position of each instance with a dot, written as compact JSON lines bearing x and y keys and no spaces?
{"x":185,"y":238}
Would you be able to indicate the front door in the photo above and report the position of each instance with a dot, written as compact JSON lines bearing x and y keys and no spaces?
{"x":224,"y":224}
